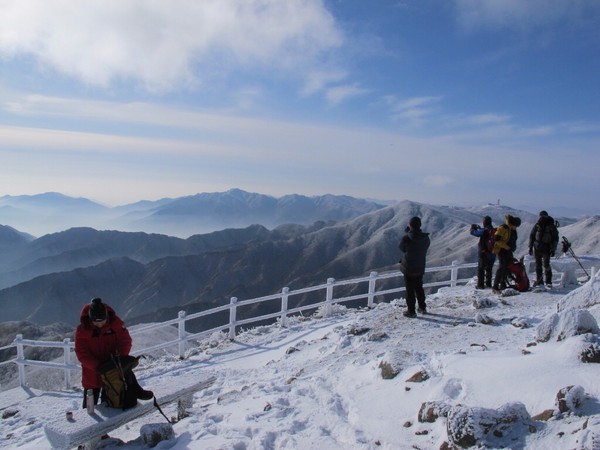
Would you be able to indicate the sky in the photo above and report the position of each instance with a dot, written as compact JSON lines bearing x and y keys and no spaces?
{"x":460,"y":102}
{"x":317,"y":384}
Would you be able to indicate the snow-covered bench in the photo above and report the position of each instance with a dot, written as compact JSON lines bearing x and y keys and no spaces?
{"x":63,"y":433}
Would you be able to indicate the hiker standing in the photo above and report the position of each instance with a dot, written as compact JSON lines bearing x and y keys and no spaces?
{"x":485,"y":257}
{"x":543,"y":241}
{"x":99,"y":335}
{"x":414,"y":245}
{"x":505,"y":243}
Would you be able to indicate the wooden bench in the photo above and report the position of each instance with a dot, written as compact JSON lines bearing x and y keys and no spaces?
{"x":63,"y":433}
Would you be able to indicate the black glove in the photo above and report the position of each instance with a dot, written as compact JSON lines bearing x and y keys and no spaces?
{"x":530,"y":251}
{"x":474,"y":226}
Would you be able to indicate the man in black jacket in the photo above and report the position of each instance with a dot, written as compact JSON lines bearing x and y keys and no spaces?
{"x":543,"y":241}
{"x":414,"y":246}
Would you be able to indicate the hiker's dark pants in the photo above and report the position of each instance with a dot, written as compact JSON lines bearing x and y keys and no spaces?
{"x":504,"y":258}
{"x":414,"y":292}
{"x":484,"y":269}
{"x":542,"y":260}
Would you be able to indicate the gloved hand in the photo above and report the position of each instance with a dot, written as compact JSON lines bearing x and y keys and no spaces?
{"x":474,"y":226}
{"x":530,"y":251}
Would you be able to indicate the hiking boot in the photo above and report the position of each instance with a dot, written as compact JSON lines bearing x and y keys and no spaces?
{"x":422,"y":310}
{"x":143,"y":394}
{"x":480,"y":286}
{"x":409,"y":314}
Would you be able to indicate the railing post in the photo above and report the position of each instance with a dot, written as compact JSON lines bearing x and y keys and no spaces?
{"x":232,"y":317}
{"x":371,"y":295}
{"x":284,"y":305}
{"x":329,"y":295}
{"x":181,"y":328}
{"x":454,"y":274}
{"x":20,"y":359}
{"x":67,"y":360}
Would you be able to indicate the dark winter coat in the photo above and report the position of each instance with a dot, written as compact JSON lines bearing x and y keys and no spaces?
{"x":483,"y":235}
{"x":544,"y":235}
{"x":94,"y":345}
{"x":414,"y":245}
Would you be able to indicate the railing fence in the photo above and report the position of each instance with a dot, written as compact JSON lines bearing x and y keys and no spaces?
{"x":234,"y":304}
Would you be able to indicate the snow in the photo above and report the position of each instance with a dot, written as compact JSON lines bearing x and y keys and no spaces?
{"x":318,"y":384}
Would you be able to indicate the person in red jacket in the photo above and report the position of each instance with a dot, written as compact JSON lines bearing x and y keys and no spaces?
{"x":100,"y":335}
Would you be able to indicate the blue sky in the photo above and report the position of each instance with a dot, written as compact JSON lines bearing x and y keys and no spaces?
{"x":459,"y":102}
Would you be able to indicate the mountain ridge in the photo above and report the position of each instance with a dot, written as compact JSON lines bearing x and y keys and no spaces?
{"x":143,"y":275}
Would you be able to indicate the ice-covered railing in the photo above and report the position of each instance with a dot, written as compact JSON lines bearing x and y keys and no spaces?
{"x":566,"y":266}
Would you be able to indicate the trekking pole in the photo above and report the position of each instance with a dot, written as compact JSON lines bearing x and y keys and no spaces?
{"x":566,"y":247}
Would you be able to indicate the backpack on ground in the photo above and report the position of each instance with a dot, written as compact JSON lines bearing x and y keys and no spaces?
{"x":516,"y":277}
{"x":119,"y":382}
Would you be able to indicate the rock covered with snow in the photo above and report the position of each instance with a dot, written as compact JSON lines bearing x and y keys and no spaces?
{"x":468,"y":427}
{"x":584,"y":297}
{"x":570,"y":398}
{"x":568,"y":323}
{"x":154,"y":433}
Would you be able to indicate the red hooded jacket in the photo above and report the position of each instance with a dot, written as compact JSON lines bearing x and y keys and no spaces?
{"x":94,"y":345}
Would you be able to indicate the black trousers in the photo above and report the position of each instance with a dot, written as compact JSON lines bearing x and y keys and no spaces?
{"x":542,"y":261}
{"x":504,"y":258}
{"x":484,"y":269}
{"x":414,"y":292}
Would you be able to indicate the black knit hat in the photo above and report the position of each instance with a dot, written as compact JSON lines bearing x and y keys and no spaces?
{"x":543,"y":213}
{"x":97,"y":311}
{"x":415,"y":223}
{"x":487,"y":220}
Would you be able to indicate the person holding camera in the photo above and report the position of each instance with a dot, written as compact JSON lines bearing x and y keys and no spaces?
{"x":485,"y":256}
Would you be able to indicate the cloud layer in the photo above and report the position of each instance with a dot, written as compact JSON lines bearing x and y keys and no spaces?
{"x":164,"y":44}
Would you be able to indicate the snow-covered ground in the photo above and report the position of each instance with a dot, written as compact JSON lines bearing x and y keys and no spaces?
{"x":318,"y":384}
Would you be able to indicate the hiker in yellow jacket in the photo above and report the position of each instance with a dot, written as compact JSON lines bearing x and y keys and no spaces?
{"x":505,"y":243}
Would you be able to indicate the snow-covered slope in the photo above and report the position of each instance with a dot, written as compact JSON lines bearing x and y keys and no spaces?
{"x":318,"y":384}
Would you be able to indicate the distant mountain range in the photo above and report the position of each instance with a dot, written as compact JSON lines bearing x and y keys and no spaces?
{"x":182,"y":217}
{"x":149,"y":277}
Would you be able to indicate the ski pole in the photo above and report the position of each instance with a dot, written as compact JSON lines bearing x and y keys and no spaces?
{"x":567,"y":246}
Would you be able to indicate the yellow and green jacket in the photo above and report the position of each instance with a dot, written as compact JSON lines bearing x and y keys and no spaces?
{"x":502,"y":238}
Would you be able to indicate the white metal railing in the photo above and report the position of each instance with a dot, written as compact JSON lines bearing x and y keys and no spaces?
{"x":284,"y":312}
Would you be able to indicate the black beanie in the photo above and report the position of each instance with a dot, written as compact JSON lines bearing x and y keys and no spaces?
{"x":487,"y":221}
{"x":415,"y":223}
{"x":97,"y":311}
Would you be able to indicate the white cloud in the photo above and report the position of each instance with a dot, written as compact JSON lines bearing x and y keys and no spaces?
{"x":319,"y":79}
{"x":162,"y":44}
{"x":338,"y":94}
{"x":413,"y":110}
